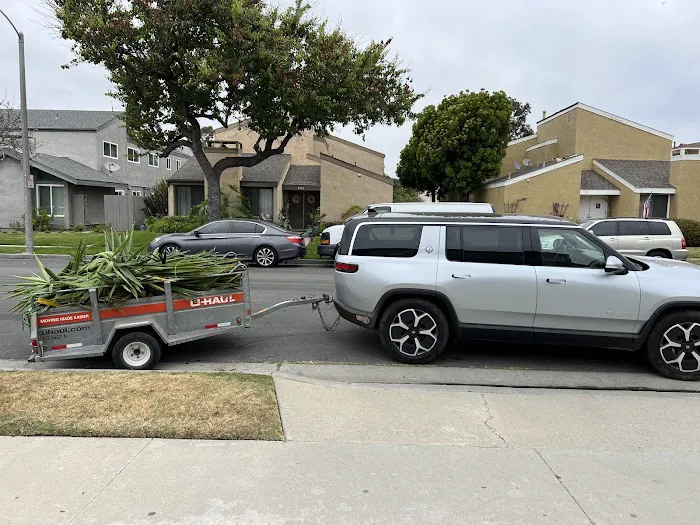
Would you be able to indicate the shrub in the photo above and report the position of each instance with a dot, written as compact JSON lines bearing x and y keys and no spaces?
{"x":156,"y":200}
{"x":17,"y":226}
{"x":174,"y":224}
{"x":691,"y":231}
{"x":98,"y":228}
{"x":78,"y":228}
{"x":41,"y":220}
{"x":352,"y":210}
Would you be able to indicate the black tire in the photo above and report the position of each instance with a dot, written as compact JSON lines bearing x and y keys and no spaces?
{"x":659,"y":253}
{"x":136,"y":351}
{"x":169,"y":248}
{"x":409,"y":351}
{"x":265,"y":256}
{"x":677,"y":328}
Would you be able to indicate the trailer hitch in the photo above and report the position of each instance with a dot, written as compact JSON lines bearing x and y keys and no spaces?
{"x":306,"y":299}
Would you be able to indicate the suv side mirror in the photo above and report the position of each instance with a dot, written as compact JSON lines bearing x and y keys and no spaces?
{"x":615,"y":266}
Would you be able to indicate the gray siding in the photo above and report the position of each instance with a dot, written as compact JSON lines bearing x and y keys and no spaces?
{"x":77,"y":145}
{"x":12,"y":192}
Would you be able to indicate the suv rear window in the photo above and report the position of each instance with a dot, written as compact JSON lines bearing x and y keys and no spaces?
{"x":485,"y":244}
{"x":605,"y":229}
{"x":387,"y":240}
{"x":659,"y":228}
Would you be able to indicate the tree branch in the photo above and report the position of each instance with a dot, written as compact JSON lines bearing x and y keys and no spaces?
{"x":253,"y":160}
{"x":174,"y":145}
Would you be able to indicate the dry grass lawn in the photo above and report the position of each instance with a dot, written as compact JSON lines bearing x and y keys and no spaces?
{"x":128,"y":404}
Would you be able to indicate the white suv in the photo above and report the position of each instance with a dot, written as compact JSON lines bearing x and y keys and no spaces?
{"x":421,"y":281}
{"x":651,"y":237}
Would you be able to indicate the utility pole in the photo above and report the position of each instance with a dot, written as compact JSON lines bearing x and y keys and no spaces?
{"x":28,"y":179}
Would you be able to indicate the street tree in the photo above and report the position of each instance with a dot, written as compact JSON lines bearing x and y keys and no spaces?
{"x":458,"y":145}
{"x":519,"y":127}
{"x":280,"y":71}
{"x":405,"y":194}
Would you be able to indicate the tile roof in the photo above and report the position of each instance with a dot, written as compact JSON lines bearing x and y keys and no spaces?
{"x":590,"y":180}
{"x":272,"y":169}
{"x":69,"y":119}
{"x":303,"y":176}
{"x":68,"y":170}
{"x":640,"y":173}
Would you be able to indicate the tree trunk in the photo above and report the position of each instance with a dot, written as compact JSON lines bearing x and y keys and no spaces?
{"x":432,"y":195}
{"x":212,"y":179}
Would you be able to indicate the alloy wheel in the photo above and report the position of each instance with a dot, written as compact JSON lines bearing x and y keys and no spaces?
{"x":265,"y":257}
{"x":413,"y":332}
{"x":680,"y":347}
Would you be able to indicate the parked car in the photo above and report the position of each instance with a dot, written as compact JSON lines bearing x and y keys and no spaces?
{"x":422,"y":281}
{"x":330,"y":237}
{"x":259,"y":241}
{"x":651,"y":237}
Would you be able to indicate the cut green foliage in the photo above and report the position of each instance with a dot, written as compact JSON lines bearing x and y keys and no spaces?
{"x":120,"y":273}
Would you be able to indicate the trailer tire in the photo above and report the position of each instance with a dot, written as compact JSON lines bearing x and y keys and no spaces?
{"x":136,"y":351}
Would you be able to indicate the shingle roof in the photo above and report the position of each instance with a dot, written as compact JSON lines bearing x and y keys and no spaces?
{"x":189,"y":172}
{"x":640,"y":173}
{"x":271,"y":169}
{"x":691,"y":145}
{"x":303,"y":176}
{"x":525,"y":170}
{"x":68,"y":170}
{"x":590,"y":180}
{"x":69,"y":119}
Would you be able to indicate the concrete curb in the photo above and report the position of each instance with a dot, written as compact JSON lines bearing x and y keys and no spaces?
{"x":318,"y":263}
{"x":24,"y":256}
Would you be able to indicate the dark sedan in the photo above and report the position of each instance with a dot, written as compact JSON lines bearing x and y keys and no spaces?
{"x":261,"y":242}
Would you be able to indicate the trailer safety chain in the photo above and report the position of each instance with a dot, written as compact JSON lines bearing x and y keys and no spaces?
{"x":327,"y":327}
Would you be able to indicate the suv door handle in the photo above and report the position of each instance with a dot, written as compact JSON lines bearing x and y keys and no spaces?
{"x":647,"y":238}
{"x":255,"y":237}
{"x":556,"y":281}
{"x":463,"y":276}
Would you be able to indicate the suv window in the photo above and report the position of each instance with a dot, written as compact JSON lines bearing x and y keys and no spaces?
{"x":387,"y":240}
{"x":485,"y":244}
{"x":568,"y":249}
{"x":659,"y":228}
{"x":605,"y":229}
{"x":215,"y":227}
{"x":633,"y":228}
{"x":243,"y":227}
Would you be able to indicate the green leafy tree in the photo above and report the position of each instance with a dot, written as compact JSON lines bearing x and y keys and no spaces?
{"x":404,"y":194}
{"x":519,"y":127}
{"x":458,"y":145}
{"x":283,"y":71}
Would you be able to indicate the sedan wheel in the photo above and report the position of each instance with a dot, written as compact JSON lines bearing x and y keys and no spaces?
{"x":265,"y":257}
{"x":169,"y":249}
{"x":674,"y":346}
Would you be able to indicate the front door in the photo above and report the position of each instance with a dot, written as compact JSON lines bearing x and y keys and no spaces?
{"x":484,"y":275}
{"x":574,"y":292}
{"x":296,"y":209}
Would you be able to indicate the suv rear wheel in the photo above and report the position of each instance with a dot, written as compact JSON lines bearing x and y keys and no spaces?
{"x":673,"y":348}
{"x":414,"y":331}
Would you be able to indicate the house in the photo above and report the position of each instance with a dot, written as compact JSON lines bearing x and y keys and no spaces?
{"x":78,"y":152}
{"x":584,"y":163}
{"x":326,"y":173}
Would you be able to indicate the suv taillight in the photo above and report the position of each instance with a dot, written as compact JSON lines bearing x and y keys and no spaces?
{"x":325,"y":238}
{"x":683,"y":245}
{"x":295,"y":239}
{"x":346,"y":268}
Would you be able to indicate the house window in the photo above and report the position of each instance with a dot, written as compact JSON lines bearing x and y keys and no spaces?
{"x":168,"y":164}
{"x":51,"y":198}
{"x":120,"y":191}
{"x":132,"y":155}
{"x":188,"y":196}
{"x":178,"y":164}
{"x":137,"y":193}
{"x":153,"y":160}
{"x":110,"y":150}
{"x":260,"y":201}
{"x":659,"y":206}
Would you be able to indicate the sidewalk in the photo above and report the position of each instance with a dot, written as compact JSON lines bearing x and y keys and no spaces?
{"x":386,"y":454}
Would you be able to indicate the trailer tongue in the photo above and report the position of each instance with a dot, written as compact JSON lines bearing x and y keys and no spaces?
{"x":135,"y":332}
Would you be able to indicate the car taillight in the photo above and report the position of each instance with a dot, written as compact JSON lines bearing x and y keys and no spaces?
{"x":683,"y":246}
{"x":295,"y":239}
{"x":346,"y":268}
{"x":325,"y":241}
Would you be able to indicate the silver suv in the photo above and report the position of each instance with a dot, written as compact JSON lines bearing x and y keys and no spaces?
{"x":421,"y":281}
{"x":651,"y":237}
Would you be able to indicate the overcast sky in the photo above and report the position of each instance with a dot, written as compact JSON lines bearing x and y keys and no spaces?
{"x":636,"y":58}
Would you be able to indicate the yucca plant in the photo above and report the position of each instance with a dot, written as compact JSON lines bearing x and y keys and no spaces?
{"x":121,"y":273}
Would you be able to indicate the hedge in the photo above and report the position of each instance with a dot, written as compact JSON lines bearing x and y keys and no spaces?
{"x":174,"y":224}
{"x":691,"y":231}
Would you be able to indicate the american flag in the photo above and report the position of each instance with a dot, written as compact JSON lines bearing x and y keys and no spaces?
{"x":646,"y":207}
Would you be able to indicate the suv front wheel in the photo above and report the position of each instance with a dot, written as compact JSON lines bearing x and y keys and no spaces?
{"x":414,"y":331}
{"x":673,"y":347}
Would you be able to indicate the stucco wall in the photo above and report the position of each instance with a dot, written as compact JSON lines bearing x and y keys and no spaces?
{"x":563,"y":128}
{"x":624,"y":205}
{"x":494,"y":196}
{"x":514,"y":153}
{"x":298,"y":147}
{"x":561,"y":185}
{"x":543,"y":153}
{"x":350,"y":153}
{"x":599,"y":137}
{"x":685,"y":177}
{"x":12,"y":192}
{"x":342,"y":188}
{"x":80,"y":146}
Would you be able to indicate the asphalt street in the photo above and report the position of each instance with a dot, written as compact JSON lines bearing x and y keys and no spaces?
{"x":295,"y":335}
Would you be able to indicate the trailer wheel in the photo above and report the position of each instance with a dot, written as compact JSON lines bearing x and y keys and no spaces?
{"x":136,"y":351}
